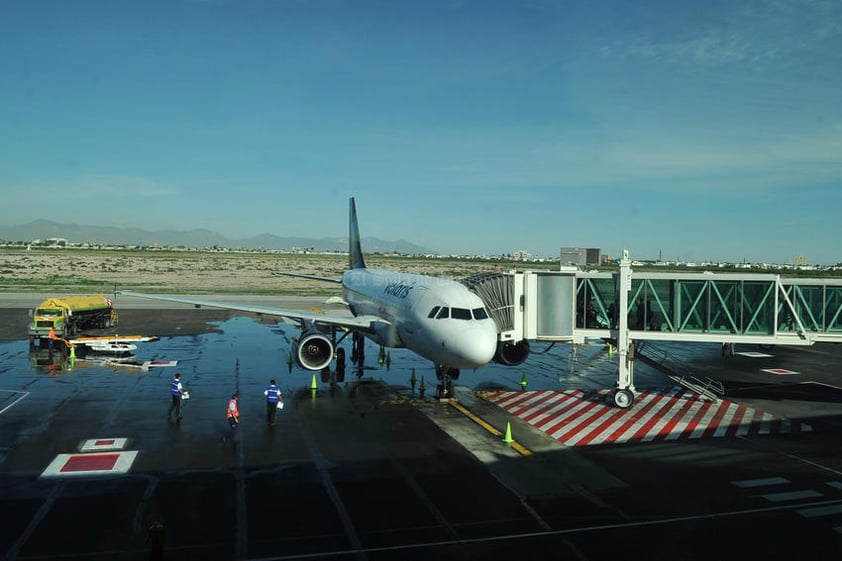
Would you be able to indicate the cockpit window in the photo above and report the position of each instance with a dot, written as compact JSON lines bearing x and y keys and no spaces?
{"x":443,"y":313}
{"x":433,"y":312}
{"x":460,"y":313}
{"x":480,"y":313}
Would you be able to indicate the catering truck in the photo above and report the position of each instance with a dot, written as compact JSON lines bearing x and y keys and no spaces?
{"x":69,"y":316}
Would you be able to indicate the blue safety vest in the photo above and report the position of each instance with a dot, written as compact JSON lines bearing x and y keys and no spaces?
{"x":272,"y":393}
{"x":174,"y":383}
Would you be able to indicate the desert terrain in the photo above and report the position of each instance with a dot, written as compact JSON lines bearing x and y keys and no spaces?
{"x":193,"y":272}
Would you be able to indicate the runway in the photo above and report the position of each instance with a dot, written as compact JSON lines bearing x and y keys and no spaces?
{"x":372,"y":469}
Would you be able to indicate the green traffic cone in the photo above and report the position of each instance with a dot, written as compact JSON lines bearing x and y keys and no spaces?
{"x":508,"y":438}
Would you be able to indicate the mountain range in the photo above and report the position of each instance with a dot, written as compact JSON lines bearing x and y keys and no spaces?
{"x":200,"y":238}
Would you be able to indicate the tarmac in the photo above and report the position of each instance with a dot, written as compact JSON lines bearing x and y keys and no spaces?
{"x":372,"y":468}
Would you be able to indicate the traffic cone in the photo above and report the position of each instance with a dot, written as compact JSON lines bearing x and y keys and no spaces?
{"x":313,"y":384}
{"x":508,"y":438}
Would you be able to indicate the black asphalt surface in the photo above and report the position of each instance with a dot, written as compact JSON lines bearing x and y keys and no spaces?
{"x":370,"y":469}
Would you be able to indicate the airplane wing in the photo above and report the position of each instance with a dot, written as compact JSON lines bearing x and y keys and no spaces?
{"x":308,"y":277}
{"x":302,"y":317}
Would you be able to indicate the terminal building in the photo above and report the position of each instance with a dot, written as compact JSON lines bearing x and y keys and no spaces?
{"x":580,"y":257}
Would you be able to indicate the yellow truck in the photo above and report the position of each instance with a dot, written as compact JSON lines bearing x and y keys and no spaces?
{"x":71,"y":315}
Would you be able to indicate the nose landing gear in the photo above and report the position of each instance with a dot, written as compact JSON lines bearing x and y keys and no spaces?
{"x":445,"y":375}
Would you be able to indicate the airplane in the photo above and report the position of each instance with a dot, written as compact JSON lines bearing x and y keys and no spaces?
{"x":438,"y":319}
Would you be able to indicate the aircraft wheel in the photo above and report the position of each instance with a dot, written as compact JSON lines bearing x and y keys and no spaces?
{"x":623,"y":399}
{"x":444,"y":390}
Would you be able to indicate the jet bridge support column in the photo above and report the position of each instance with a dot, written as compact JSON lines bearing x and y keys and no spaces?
{"x":624,"y":393}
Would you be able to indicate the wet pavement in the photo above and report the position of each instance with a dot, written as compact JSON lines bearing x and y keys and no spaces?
{"x":371,"y":469}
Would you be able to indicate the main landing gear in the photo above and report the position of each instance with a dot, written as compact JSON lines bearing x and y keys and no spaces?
{"x":444,"y":389}
{"x":358,"y":352}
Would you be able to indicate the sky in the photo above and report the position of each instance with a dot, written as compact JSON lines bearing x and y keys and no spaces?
{"x":677,"y":129}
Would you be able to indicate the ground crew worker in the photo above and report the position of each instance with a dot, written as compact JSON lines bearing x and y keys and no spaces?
{"x":176,"y":392}
{"x":233,"y":412}
{"x":273,"y":395}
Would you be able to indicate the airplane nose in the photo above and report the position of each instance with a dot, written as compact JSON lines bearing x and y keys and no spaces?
{"x":477,"y":348}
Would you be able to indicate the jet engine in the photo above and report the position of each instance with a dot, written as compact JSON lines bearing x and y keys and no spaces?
{"x":313,"y":350}
{"x":511,"y":353}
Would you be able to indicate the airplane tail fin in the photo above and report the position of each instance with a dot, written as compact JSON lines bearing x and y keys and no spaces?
{"x":355,"y":252}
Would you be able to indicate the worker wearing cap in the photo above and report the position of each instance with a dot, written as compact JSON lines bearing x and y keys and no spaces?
{"x":273,"y":394}
{"x":176,"y":392}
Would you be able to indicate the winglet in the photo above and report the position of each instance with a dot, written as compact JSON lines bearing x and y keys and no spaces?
{"x":355,"y":252}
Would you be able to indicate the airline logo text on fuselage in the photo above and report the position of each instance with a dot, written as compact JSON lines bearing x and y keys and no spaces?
{"x":398,"y":289}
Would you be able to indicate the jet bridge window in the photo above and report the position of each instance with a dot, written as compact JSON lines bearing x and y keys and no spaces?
{"x":460,"y":313}
{"x":433,"y":312}
{"x":480,"y":313}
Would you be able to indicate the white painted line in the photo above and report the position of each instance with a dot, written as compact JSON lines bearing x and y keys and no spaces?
{"x":755,"y":354}
{"x":791,"y":496}
{"x":821,"y":384}
{"x":12,"y":404}
{"x":820,"y":511}
{"x":749,"y":483}
{"x":103,"y":444}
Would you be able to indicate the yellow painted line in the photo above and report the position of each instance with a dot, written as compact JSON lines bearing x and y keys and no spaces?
{"x":519,"y":448}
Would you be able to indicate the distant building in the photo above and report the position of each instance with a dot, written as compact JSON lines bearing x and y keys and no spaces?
{"x":580,"y":256}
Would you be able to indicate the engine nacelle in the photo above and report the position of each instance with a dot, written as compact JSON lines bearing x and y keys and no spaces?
{"x":313,"y":350}
{"x":511,"y":353}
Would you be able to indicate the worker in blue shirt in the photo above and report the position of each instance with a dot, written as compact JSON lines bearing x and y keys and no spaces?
{"x":273,"y":396}
{"x":176,"y":393}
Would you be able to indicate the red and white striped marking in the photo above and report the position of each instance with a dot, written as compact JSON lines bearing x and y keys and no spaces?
{"x":98,"y":463}
{"x":576,"y":418}
{"x":103,"y":444}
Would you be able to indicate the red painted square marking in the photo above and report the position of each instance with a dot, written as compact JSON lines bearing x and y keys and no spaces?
{"x":104,"y":442}
{"x":779,"y":371}
{"x":90,"y":462}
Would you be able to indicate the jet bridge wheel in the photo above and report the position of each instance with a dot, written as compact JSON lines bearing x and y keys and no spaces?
{"x":623,"y":398}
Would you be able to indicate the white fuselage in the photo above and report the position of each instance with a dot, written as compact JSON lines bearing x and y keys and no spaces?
{"x":458,"y":334}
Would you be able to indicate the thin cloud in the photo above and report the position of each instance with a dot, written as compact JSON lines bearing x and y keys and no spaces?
{"x":748,"y":35}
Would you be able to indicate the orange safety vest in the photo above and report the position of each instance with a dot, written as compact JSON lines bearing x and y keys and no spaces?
{"x":52,"y":333}
{"x":235,"y":411}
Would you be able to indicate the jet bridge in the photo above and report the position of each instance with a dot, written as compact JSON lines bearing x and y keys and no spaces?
{"x":627,"y":308}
